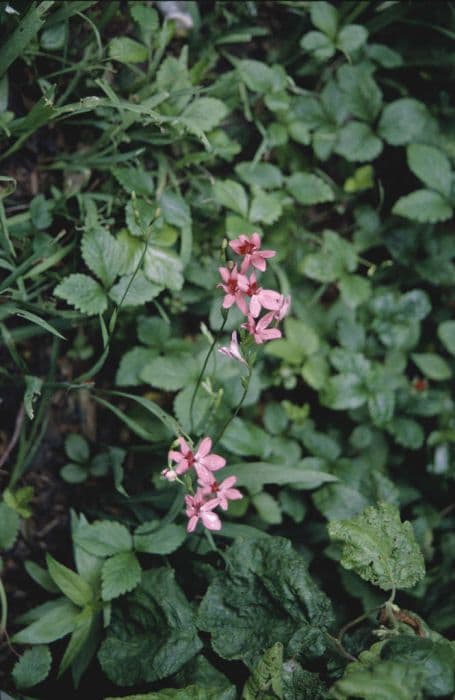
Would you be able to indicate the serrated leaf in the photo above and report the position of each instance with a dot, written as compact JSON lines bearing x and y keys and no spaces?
{"x":424,"y":206}
{"x":83,"y":292}
{"x":402,"y":121}
{"x":431,"y":166}
{"x":266,"y":675}
{"x":231,"y":195}
{"x":357,"y":142}
{"x":9,"y":526}
{"x":203,"y":114}
{"x":120,"y":574}
{"x":355,"y":290}
{"x":258,"y":76}
{"x":134,"y":290}
{"x":170,"y":373}
{"x":102,"y":254}
{"x":153,"y":539}
{"x":69,"y":582}
{"x":446,"y":334}
{"x":263,"y":175}
{"x":126,"y":50}
{"x":266,"y":207}
{"x":104,"y":538}
{"x":309,"y":189}
{"x":407,"y":432}
{"x":264,"y":596}
{"x":56,"y":622}
{"x":360,"y":92}
{"x":380,"y":548}
{"x":163,"y":267}
{"x":33,"y":667}
{"x":433,"y":366}
{"x":152,"y":635}
{"x":389,"y":679}
{"x":135,"y":180}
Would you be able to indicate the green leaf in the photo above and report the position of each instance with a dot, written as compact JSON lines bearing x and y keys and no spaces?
{"x":104,"y":538}
{"x":362,"y":179}
{"x":324,"y":17}
{"x":344,"y":391}
{"x":77,"y":448}
{"x":74,"y":473}
{"x":389,"y":679}
{"x":163,"y":267}
{"x":357,"y":142}
{"x":120,"y":574}
{"x":71,"y":584}
{"x":380,"y":548}
{"x":132,"y":364}
{"x":266,"y":207}
{"x":309,"y":189}
{"x":9,"y":528}
{"x":79,"y":638}
{"x":232,"y":195}
{"x":40,"y":576}
{"x":33,"y":387}
{"x":135,"y":180}
{"x":360,"y":91}
{"x":175,"y":210}
{"x":424,"y":206}
{"x":258,"y":76}
{"x":446,"y":334}
{"x":126,"y":50}
{"x":203,"y":114}
{"x":351,"y":38}
{"x":266,"y":676}
{"x":102,"y":254}
{"x":170,"y":373}
{"x":431,"y":166}
{"x":265,"y":596}
{"x":58,"y":621}
{"x":355,"y":290}
{"x":320,"y":45}
{"x":151,"y":635}
{"x":153,"y":539}
{"x":267,"y":507}
{"x":140,"y":290}
{"x":264,"y":175}
{"x":381,"y":407}
{"x":402,"y":121}
{"x":33,"y":667}
{"x":40,"y":212}
{"x":407,"y":432}
{"x":83,"y":292}
{"x":433,"y":366}
{"x":33,"y":318}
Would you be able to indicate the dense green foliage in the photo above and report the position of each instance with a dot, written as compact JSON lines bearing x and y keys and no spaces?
{"x":134,"y":146}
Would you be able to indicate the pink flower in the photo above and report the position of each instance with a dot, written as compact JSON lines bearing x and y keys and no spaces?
{"x":235,"y":286}
{"x":259,"y":297}
{"x":197,"y":509}
{"x":169,"y":474}
{"x":249,"y":247}
{"x":233,"y":351}
{"x":222,"y":492}
{"x":202,"y":461}
{"x":283,"y":309}
{"x":259,"y":329}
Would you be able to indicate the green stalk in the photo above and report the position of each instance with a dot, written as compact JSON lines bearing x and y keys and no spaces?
{"x":3,"y":608}
{"x":204,"y":366}
{"x":246,"y":385}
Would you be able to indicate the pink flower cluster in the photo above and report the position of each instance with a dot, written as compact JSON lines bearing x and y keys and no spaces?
{"x":241,"y":287}
{"x":209,"y":494}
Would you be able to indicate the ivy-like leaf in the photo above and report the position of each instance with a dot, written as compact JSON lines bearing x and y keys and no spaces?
{"x":380,"y":548}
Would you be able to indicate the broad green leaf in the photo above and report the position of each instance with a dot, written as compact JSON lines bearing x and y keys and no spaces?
{"x":309,"y":189}
{"x":266,"y":676}
{"x":384,"y":55}
{"x":74,"y":473}
{"x":267,"y":507}
{"x":320,"y":45}
{"x":40,"y":576}
{"x":345,"y":391}
{"x":231,"y":195}
{"x":263,"y":175}
{"x":265,"y":596}
{"x":191,"y":692}
{"x":71,"y":584}
{"x":380,"y":681}
{"x":33,"y":387}
{"x":258,"y":76}
{"x":266,"y":207}
{"x":360,"y":92}
{"x":402,"y":121}
{"x":324,"y":17}
{"x":40,"y":212}
{"x":407,"y":432}
{"x":175,"y":210}
{"x":132,"y":364}
{"x":77,"y":448}
{"x":139,"y":215}
{"x":351,"y":38}
{"x":120,"y":574}
{"x":152,"y":634}
{"x":102,"y":254}
{"x":357,"y":142}
{"x":423,"y":205}
{"x":431,"y":166}
{"x":9,"y":526}
{"x":134,"y":290}
{"x":355,"y":290}
{"x":104,"y":538}
{"x":147,"y":21}
{"x":33,"y":667}
{"x":59,"y":620}
{"x":170,"y":373}
{"x":126,"y":50}
{"x":381,"y":406}
{"x":83,"y":292}
{"x":446,"y":334}
{"x":153,"y":539}
{"x":433,"y":366}
{"x":203,"y":114}
{"x":380,"y":548}
{"x":135,"y":180}
{"x":163,"y":267}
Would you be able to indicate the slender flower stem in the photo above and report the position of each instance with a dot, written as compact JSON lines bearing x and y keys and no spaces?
{"x":239,"y":406}
{"x":204,"y":366}
{"x":3,"y":609}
